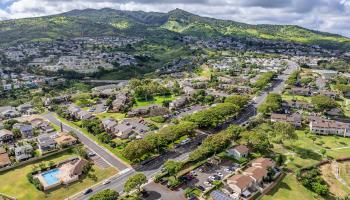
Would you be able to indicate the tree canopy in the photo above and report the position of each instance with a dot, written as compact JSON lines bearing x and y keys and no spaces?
{"x":135,"y":182}
{"x":105,"y":195}
{"x":323,"y":103}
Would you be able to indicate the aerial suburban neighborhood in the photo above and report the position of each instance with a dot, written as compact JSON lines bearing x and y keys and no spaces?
{"x":105,"y":104}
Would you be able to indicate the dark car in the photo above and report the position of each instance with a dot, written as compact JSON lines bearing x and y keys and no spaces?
{"x":87,"y":191}
{"x":164,"y":181}
{"x":201,"y":187}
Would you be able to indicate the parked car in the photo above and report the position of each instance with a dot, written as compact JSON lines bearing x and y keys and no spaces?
{"x":220,"y":174}
{"x":186,"y":141}
{"x":201,"y":187}
{"x":87,"y":191}
{"x":217,"y":177}
{"x":106,"y":182}
{"x":193,"y":173}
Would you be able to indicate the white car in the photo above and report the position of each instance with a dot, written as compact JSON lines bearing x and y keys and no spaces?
{"x":220,"y":174}
{"x":228,"y":170}
{"x":193,"y":173}
{"x":186,"y":141}
{"x":207,"y":183}
{"x":106,"y":182}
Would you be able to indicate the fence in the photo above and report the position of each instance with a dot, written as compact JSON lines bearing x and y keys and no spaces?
{"x":34,"y":159}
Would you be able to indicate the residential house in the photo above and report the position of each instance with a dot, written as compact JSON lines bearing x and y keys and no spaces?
{"x":64,"y":139}
{"x":139,"y":126}
{"x":123,"y":131}
{"x":301,"y":91}
{"x":329,"y":94}
{"x":189,"y":90}
{"x":69,"y":171}
{"x":73,"y":110}
{"x":328,"y":127}
{"x":326,"y":74}
{"x":218,"y":195}
{"x":6,"y":136}
{"x":43,"y":125}
{"x":25,"y":129}
{"x":128,"y":127}
{"x":24,"y":108}
{"x":297,"y":105}
{"x":23,"y":152}
{"x":257,"y":174}
{"x":178,"y":103}
{"x":84,"y":115}
{"x":335,"y":112}
{"x":109,"y":125}
{"x":238,"y":152}
{"x":294,"y":119}
{"x":121,"y":102}
{"x":7,"y":87}
{"x":46,"y":143}
{"x":4,"y":158}
{"x":240,"y":184}
{"x":8,"y":112}
{"x":265,"y":163}
{"x":148,"y":111}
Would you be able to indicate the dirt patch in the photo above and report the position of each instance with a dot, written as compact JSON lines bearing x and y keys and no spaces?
{"x":335,"y":187}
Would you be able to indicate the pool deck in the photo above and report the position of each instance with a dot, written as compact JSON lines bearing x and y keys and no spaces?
{"x":64,"y":175}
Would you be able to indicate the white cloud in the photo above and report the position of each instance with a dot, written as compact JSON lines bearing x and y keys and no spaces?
{"x":324,"y":15}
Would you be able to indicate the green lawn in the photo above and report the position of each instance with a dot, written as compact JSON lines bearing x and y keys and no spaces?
{"x":304,"y":151}
{"x":295,"y":97}
{"x":15,"y":183}
{"x":289,"y":188}
{"x":117,"y":116}
{"x":156,"y":100}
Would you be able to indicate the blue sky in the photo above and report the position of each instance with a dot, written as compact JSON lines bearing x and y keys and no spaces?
{"x":324,"y":15}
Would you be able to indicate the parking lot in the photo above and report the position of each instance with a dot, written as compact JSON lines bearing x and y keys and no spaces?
{"x":97,"y":159}
{"x":204,"y":176}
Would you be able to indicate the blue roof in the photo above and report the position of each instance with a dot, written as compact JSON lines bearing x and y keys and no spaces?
{"x":218,"y":195}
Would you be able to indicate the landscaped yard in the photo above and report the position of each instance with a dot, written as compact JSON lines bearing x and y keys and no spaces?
{"x":156,"y":100}
{"x":117,"y":116}
{"x":304,"y":151}
{"x":15,"y":183}
{"x":289,"y":188}
{"x":288,"y":97}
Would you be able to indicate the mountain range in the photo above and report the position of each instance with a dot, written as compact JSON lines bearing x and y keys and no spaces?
{"x":108,"y":22}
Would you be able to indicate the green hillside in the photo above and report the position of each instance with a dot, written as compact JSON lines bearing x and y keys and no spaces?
{"x":105,"y":22}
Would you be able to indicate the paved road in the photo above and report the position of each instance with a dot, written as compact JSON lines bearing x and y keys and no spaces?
{"x":182,"y":153}
{"x":150,"y":169}
{"x":250,"y":110}
{"x":105,"y":154}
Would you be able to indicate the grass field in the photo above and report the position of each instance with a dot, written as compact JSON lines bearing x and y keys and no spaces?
{"x":117,"y":116}
{"x":288,"y":97}
{"x":289,"y":188}
{"x":304,"y":151}
{"x":156,"y":100}
{"x":15,"y":183}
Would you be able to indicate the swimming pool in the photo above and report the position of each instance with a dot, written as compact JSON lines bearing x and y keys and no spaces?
{"x":50,"y":177}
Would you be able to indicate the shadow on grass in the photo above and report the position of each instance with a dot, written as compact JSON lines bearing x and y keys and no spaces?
{"x":280,"y":185}
{"x":304,"y":153}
